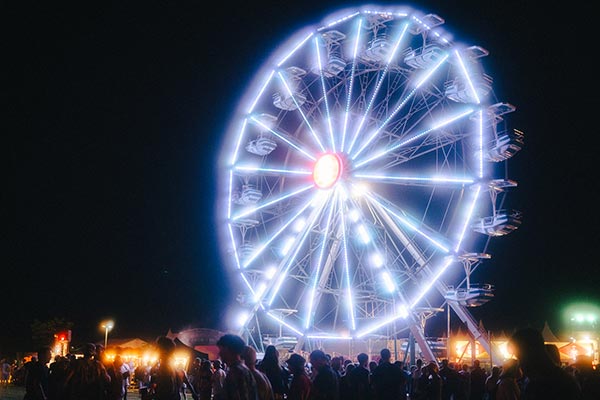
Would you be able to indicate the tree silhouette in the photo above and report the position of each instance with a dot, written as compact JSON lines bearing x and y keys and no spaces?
{"x":42,"y":332}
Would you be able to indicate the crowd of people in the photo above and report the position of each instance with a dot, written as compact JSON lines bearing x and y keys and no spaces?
{"x":534,"y":373}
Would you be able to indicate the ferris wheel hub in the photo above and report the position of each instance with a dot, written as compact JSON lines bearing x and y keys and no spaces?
{"x":327,"y":170}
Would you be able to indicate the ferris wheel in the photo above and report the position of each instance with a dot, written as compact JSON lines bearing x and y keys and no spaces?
{"x":362,"y":179}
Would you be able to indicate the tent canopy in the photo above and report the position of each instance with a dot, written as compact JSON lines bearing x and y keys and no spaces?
{"x":179,"y":345}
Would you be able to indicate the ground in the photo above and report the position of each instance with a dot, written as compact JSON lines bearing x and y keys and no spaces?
{"x":17,"y":392}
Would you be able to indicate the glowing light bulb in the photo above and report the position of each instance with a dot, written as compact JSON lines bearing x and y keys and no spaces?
{"x":327,"y":170}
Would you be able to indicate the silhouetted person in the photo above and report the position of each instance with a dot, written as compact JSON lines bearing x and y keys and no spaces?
{"x":372,"y":366}
{"x":194,"y":374}
{"x":57,"y":375}
{"x":491,"y":382}
{"x":263,"y":385}
{"x":543,"y":379}
{"x":587,"y":377}
{"x":478,"y":377}
{"x":239,"y":382}
{"x":387,"y":380}
{"x":450,"y":380}
{"x":218,"y":377}
{"x":415,"y":375}
{"x":202,"y":382}
{"x":325,"y":381}
{"x":142,"y":378}
{"x":118,"y":387}
{"x":277,"y":375}
{"x":434,"y":382}
{"x":359,"y":379}
{"x":5,"y":372}
{"x":87,"y":378}
{"x":300,"y":386}
{"x":345,"y":390}
{"x":166,"y":382}
{"x":507,"y":386}
{"x":406,"y":379}
{"x":36,"y":376}
{"x":553,"y":352}
{"x":464,"y":389}
{"x":337,"y":364}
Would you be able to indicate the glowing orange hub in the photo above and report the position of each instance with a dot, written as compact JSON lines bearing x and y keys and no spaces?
{"x":327,"y":170}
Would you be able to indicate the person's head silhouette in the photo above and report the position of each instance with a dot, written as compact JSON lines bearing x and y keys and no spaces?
{"x":165,"y":346}
{"x":385,"y":354}
{"x":528,"y":347}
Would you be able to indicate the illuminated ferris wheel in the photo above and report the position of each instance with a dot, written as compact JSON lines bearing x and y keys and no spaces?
{"x":362,"y":179}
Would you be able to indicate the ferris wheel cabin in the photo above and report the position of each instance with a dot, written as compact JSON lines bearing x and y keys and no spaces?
{"x":473,"y":296}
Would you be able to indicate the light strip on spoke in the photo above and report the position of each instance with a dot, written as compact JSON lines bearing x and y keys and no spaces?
{"x":310,"y":128}
{"x":272,"y":170}
{"x":313,"y":289}
{"x":270,"y":203}
{"x":376,"y":90}
{"x":280,"y":136}
{"x":276,"y":234}
{"x":413,"y":138}
{"x":349,"y":98}
{"x":323,"y":87}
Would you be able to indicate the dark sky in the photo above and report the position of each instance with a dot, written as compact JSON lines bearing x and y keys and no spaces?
{"x":116,"y":115}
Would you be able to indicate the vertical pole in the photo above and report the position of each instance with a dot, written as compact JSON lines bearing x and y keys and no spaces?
{"x":448,"y":333}
{"x":411,"y":339}
{"x":395,"y":345}
{"x":394,"y":328}
{"x":491,"y":347}
{"x":105,"y":336}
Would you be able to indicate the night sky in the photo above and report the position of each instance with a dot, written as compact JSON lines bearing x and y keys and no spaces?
{"x":116,"y":119}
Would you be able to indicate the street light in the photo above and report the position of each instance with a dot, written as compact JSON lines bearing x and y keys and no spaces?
{"x":107,"y":326}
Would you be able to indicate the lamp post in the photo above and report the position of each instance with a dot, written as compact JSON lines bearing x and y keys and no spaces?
{"x":107,"y":326}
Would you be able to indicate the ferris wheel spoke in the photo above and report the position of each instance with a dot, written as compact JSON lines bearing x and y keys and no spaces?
{"x":299,"y":108}
{"x":400,"y":105}
{"x":416,"y":180}
{"x":376,"y":266}
{"x":404,"y":142}
{"x":289,"y":261}
{"x":317,"y":277}
{"x":440,"y":143}
{"x":288,"y":266}
{"x":410,"y":223}
{"x":283,"y":137}
{"x":284,"y":323}
{"x":346,"y":262}
{"x":272,"y":202}
{"x":271,"y":171}
{"x":377,"y":87}
{"x":324,"y":88}
{"x":351,"y":83}
{"x":275,"y":235}
{"x":432,"y":280}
